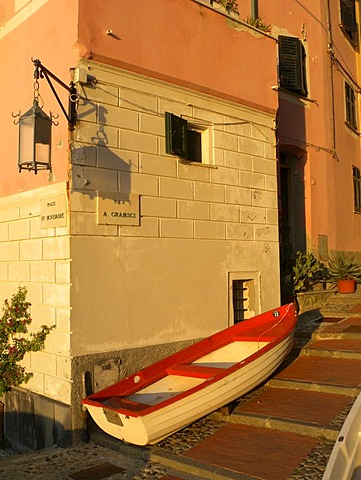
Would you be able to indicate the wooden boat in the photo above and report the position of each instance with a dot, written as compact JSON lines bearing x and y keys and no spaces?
{"x":345,"y":459}
{"x":161,"y":399}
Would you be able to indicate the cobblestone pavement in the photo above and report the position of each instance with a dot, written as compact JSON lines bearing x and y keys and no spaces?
{"x":61,"y":463}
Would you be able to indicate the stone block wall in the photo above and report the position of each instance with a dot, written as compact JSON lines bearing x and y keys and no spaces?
{"x":39,"y":259}
{"x":199,"y":222}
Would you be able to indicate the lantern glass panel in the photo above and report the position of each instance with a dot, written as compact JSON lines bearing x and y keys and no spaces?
{"x":26,"y":140}
{"x":35,"y":140}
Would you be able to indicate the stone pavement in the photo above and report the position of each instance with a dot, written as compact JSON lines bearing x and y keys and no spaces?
{"x":285,"y":429}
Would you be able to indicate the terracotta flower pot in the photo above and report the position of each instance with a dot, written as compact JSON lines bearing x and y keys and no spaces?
{"x":346,"y":286}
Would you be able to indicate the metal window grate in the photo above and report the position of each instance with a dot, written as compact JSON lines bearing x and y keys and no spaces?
{"x":240,"y":299}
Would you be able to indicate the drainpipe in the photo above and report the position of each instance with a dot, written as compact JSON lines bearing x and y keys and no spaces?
{"x":332,"y":91}
{"x":254,"y":9}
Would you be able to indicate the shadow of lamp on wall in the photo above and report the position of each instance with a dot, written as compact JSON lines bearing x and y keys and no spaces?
{"x":35,"y":125}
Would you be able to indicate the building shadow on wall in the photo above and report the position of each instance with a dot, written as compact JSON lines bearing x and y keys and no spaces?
{"x":292,"y":157}
{"x":96,"y":166}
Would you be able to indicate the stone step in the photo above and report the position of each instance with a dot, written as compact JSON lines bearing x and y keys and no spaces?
{"x":314,"y":387}
{"x":286,"y":425}
{"x":245,"y":452}
{"x":334,"y":348}
{"x":183,"y":465}
{"x":308,"y":411}
{"x":340,"y":331}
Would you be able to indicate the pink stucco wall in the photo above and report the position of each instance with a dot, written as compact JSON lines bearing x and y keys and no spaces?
{"x":38,"y":33}
{"x":185,"y":43}
{"x":193,"y":45}
{"x":316,"y":127}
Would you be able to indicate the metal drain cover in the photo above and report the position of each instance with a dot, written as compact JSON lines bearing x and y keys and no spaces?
{"x":98,"y":472}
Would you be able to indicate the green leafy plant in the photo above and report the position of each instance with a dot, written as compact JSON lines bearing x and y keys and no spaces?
{"x":15,"y":341}
{"x":231,"y":5}
{"x":308,"y":271}
{"x":344,"y":266}
{"x":258,"y":23}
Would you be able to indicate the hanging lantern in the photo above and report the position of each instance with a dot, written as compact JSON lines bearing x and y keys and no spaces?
{"x":34,"y":140}
{"x":35,"y":124}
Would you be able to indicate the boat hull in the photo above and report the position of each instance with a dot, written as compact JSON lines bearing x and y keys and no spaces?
{"x":345,"y":459}
{"x":178,"y":398}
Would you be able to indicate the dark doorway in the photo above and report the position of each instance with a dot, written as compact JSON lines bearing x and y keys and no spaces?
{"x":292,"y":224}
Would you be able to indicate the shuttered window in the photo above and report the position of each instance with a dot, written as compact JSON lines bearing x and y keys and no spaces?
{"x":350,"y":106}
{"x":292,"y":65}
{"x":176,"y":135}
{"x":357,"y":189}
{"x":182,"y":139}
{"x":348,"y":15}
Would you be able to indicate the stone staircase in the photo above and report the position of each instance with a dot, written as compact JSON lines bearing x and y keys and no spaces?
{"x":309,"y":397}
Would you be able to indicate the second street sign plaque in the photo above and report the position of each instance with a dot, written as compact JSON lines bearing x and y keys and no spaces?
{"x":118,"y":208}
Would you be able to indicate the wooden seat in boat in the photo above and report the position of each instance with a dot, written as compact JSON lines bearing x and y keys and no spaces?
{"x":124,"y":403}
{"x":197,"y":371}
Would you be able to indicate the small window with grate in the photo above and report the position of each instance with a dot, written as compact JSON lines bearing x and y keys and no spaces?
{"x":239,"y":294}
{"x":292,"y":65}
{"x":357,"y":189}
{"x":348,"y":19}
{"x":350,"y":106}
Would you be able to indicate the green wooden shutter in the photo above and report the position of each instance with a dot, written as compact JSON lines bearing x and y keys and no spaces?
{"x":350,"y":101}
{"x":292,"y":72}
{"x":176,"y":131}
{"x":348,"y":15}
{"x":357,"y":189}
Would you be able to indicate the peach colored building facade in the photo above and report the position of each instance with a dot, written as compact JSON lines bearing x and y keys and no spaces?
{"x":137,"y":242}
{"x":318,"y":145}
{"x":132,"y":246}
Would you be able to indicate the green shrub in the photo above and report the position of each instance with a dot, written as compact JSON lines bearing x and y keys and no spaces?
{"x":15,"y":341}
{"x":308,"y":271}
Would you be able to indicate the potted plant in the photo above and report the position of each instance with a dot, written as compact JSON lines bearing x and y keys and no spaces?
{"x":345,"y":271}
{"x":308,"y":272}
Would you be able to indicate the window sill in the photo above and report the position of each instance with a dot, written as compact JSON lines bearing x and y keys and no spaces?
{"x":352,"y":41}
{"x":353,"y":129}
{"x":198,"y":164}
{"x":276,"y":88}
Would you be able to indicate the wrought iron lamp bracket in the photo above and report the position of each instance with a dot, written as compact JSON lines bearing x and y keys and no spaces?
{"x":42,"y":72}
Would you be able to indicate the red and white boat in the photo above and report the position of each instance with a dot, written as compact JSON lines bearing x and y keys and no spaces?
{"x":161,"y":399}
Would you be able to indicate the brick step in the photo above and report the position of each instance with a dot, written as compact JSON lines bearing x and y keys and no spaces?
{"x":335,"y":348}
{"x":315,"y":387}
{"x":340,"y":331}
{"x":243,"y":452}
{"x":189,"y":467}
{"x":306,"y":411}
{"x":285,"y":425}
